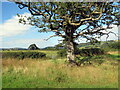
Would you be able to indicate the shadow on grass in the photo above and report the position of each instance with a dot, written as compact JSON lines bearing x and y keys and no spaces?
{"x":114,"y":56}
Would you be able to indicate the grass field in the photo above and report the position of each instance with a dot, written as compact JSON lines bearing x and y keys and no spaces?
{"x":55,"y":73}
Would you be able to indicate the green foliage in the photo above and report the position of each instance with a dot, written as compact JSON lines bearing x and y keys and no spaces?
{"x":33,"y":47}
{"x":49,"y":48}
{"x":111,"y":46}
{"x":64,"y":19}
{"x":97,"y":60}
{"x":22,"y":55}
{"x":115,"y":45}
{"x":83,"y":60}
{"x":61,"y":18}
{"x":62,"y":53}
{"x":90,"y":60}
{"x":60,"y":46}
{"x":90,"y":52}
{"x":114,"y":56}
{"x":83,"y":52}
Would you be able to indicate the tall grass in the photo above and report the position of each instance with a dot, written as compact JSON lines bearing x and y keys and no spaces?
{"x":29,"y":73}
{"x":53,"y":72}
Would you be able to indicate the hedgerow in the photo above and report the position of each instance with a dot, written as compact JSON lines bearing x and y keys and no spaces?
{"x":22,"y":55}
{"x":83,"y":52}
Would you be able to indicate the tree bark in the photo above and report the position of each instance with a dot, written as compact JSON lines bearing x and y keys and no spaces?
{"x":71,"y":52}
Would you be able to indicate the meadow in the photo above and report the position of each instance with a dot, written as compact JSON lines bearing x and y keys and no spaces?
{"x":54,"y":72}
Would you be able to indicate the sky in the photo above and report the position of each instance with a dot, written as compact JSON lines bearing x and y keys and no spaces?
{"x":14,"y":34}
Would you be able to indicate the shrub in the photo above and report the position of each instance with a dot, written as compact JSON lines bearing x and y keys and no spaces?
{"x":22,"y":55}
{"x":91,"y":52}
{"x":62,"y":53}
{"x":83,"y":52}
{"x":114,"y":45}
{"x":90,"y":60}
{"x":111,"y":46}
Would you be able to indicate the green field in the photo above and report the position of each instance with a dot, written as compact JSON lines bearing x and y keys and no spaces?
{"x":53,"y":72}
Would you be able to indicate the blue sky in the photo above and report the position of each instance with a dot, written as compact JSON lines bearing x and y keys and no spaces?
{"x":14,"y":34}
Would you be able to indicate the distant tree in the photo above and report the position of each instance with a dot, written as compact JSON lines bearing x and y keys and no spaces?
{"x":59,"y":46}
{"x":72,"y":20}
{"x":33,"y":47}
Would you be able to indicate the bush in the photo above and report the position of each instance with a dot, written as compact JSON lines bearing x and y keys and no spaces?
{"x":90,"y":60}
{"x":114,"y":45}
{"x":62,"y":53}
{"x":111,"y":46}
{"x":83,"y":52}
{"x":91,"y":52}
{"x":22,"y":55}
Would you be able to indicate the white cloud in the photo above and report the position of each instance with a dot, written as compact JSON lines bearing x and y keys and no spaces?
{"x":11,"y":27}
{"x":111,"y":35}
{"x":24,"y":43}
{"x":28,"y":41}
{"x":21,"y":42}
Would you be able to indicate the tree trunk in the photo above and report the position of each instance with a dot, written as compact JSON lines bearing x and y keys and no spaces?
{"x":71,"y":52}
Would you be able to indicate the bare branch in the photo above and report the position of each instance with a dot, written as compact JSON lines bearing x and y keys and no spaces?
{"x":31,"y":9}
{"x":60,"y":35}
{"x":50,"y":37}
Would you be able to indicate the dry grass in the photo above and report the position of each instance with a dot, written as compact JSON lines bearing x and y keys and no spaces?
{"x":113,"y":52}
{"x":91,"y":75}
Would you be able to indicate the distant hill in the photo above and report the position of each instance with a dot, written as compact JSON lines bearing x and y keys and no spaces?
{"x":81,"y":45}
{"x":48,"y":48}
{"x":13,"y":49}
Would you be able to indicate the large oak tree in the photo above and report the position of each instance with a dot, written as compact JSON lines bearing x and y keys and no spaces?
{"x":72,"y":20}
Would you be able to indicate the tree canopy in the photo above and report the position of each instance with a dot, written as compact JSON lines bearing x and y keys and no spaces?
{"x":59,"y":17}
{"x":72,"y":20}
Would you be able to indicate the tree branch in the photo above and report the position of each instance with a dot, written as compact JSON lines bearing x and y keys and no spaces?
{"x":86,"y":19}
{"x":60,"y":35}
{"x":31,"y":9}
{"x":90,"y":32}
